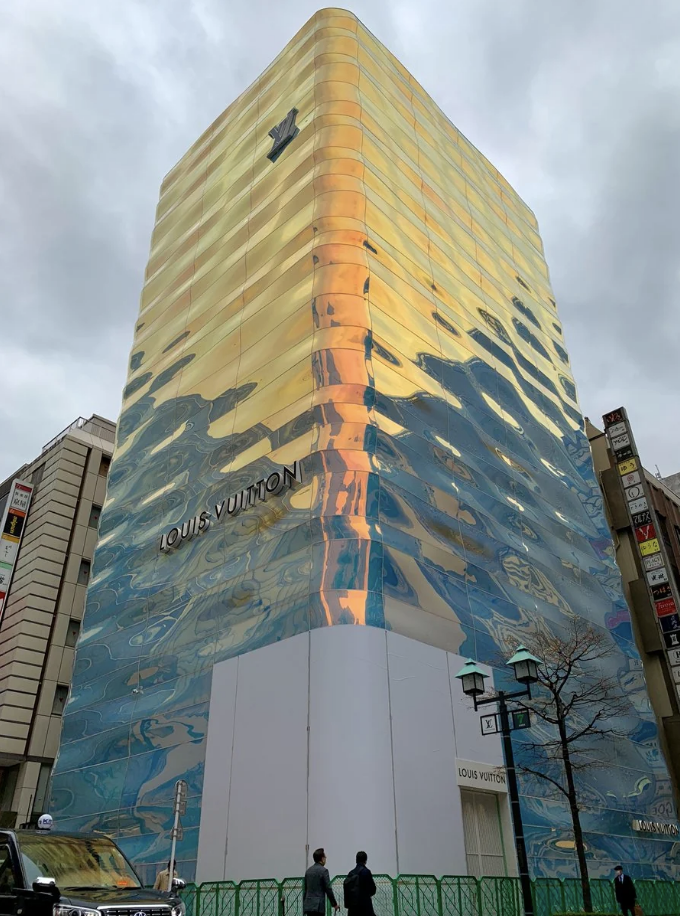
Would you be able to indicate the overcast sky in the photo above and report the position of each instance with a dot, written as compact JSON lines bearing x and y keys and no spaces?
{"x":577,"y":102}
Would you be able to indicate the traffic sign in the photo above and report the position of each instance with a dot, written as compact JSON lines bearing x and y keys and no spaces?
{"x":623,"y":452}
{"x":650,"y":547}
{"x":670,"y":624}
{"x":631,"y":478}
{"x":644,"y":532}
{"x":642,"y":518}
{"x":661,"y":590}
{"x":655,"y":576}
{"x":521,"y":719}
{"x":614,"y":416}
{"x":666,"y":608}
{"x":638,"y":505}
{"x":618,"y":429}
{"x":490,"y":724}
{"x":619,"y":443}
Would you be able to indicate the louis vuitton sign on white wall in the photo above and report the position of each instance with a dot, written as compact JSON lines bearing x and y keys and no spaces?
{"x":471,"y":775}
{"x":263,"y":489}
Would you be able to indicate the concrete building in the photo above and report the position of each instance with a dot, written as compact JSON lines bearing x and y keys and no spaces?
{"x":350,"y":456}
{"x":43,"y":607}
{"x":672,"y":482}
{"x":659,"y":648}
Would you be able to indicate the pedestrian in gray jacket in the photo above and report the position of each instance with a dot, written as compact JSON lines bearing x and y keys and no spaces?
{"x":317,"y":886}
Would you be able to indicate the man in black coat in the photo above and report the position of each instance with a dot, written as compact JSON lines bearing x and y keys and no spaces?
{"x":317,"y":886}
{"x":625,"y":892}
{"x":359,"y":887}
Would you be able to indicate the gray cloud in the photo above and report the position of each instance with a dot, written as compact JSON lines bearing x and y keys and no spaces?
{"x":576,"y":103}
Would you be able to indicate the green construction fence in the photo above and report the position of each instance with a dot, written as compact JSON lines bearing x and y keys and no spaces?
{"x":425,"y":895}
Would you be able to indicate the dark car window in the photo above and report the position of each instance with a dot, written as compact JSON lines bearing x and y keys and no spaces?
{"x":75,"y":861}
{"x":7,"y":876}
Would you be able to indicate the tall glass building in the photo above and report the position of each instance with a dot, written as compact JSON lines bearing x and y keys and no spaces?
{"x":350,"y":455}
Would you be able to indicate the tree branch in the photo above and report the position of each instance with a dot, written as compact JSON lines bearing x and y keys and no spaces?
{"x":546,"y":777}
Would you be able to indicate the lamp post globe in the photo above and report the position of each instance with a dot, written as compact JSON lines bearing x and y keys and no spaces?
{"x":525,"y":666}
{"x":472,"y":679}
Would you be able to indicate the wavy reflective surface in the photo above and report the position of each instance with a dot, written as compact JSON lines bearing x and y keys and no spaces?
{"x":376,"y":306}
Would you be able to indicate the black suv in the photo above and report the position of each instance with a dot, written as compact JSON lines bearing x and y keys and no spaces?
{"x":67,"y":874}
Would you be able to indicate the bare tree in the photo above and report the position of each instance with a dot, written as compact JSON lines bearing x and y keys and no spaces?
{"x":578,"y":703}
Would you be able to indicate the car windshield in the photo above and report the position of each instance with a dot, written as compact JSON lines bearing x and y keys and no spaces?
{"x":75,"y":861}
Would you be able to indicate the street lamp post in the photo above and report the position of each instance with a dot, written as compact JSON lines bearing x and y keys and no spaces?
{"x":525,"y":667}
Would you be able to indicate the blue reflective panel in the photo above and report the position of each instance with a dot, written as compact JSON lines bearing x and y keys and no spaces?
{"x":89,"y":790}
{"x":112,"y":744}
{"x":152,"y":850}
{"x":145,"y":820}
{"x":167,"y":729}
{"x":151,"y":777}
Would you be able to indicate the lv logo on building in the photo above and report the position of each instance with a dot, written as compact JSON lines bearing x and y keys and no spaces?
{"x":282,"y":134}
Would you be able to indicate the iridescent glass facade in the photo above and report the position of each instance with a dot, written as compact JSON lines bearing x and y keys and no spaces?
{"x":376,"y":306}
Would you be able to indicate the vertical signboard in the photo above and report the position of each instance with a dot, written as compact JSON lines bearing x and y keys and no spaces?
{"x":11,"y":532}
{"x":653,"y":557}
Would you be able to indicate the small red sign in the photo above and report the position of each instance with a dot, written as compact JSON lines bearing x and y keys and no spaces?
{"x":615,"y":416}
{"x":645,"y":533}
{"x":665,"y":607}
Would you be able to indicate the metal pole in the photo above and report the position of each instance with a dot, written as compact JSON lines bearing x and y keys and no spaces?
{"x":517,"y":826}
{"x":171,"y":869}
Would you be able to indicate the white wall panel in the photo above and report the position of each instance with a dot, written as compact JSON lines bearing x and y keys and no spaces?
{"x":212,"y":838}
{"x":351,"y":792}
{"x":375,"y":771}
{"x":428,"y":802}
{"x":268,"y":799}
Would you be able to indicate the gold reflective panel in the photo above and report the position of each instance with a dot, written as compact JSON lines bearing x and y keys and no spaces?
{"x":372,"y":303}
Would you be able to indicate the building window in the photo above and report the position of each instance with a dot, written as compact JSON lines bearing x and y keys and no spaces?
{"x":104,"y":465}
{"x":72,"y":633}
{"x":8,"y":784}
{"x":84,"y":572}
{"x":677,"y":533}
{"x":95,"y":512}
{"x":60,"y":696}
{"x":663,"y":525}
{"x":41,"y":792}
